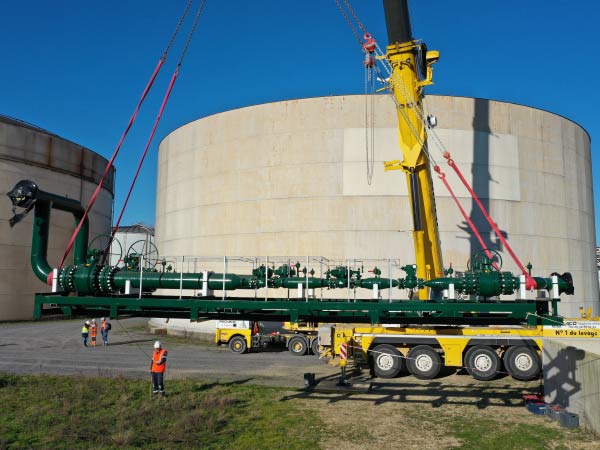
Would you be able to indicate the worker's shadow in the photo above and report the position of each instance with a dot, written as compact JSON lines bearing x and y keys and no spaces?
{"x":408,"y":390}
{"x":209,"y":386}
{"x":134,"y":341}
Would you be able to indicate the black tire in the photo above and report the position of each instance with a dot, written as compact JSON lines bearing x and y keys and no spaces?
{"x":237,"y":344}
{"x":466,"y":358}
{"x":298,"y":346}
{"x":315,"y":348}
{"x":522,"y":363}
{"x":424,"y":362}
{"x":386,"y":361}
{"x":483,"y":363}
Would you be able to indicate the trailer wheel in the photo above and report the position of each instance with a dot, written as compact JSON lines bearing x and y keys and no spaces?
{"x":424,"y":362}
{"x":522,"y":363}
{"x":237,"y":344}
{"x":298,"y":346}
{"x":387,"y":361}
{"x":315,"y":348}
{"x":482,"y":362}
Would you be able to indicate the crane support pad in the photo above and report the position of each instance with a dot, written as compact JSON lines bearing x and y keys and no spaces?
{"x":339,"y":311}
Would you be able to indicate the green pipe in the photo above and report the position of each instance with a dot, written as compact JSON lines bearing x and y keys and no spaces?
{"x":565,"y":283}
{"x":39,"y":242}
{"x":74,"y":207}
{"x":25,"y":194}
{"x":173,"y":280}
{"x":293,"y":282}
{"x":490,"y":284}
{"x":382,"y":283}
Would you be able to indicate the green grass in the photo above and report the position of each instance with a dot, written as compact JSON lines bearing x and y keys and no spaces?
{"x":53,"y":412}
{"x":476,"y":434}
{"x":73,"y":412}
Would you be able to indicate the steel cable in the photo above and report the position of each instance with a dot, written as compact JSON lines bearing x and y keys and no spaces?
{"x":178,"y":27}
{"x":159,"y":116}
{"x":189,"y":39}
{"x":123,"y":136}
{"x":349,"y":22}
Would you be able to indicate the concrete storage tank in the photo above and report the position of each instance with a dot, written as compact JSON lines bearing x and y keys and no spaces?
{"x":58,"y":166}
{"x":289,"y":178}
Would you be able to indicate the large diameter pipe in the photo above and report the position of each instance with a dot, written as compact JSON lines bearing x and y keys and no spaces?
{"x":39,"y":242}
{"x":174,"y":280}
{"x":293,"y":282}
{"x":74,"y":207}
{"x":26,"y":193}
{"x":382,"y":283}
{"x":489,"y":284}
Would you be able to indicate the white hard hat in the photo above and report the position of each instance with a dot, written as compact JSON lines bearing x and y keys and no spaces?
{"x":93,"y":320}
{"x":157,"y":344}
{"x":87,"y":322}
{"x":103,"y":319}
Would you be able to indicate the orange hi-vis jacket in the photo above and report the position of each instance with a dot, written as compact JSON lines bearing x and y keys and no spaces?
{"x":93,"y":329}
{"x":159,"y":360}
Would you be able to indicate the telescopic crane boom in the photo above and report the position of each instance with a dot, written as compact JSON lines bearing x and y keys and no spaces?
{"x":412,"y":70}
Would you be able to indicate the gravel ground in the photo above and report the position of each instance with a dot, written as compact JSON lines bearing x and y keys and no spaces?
{"x":55,"y":347}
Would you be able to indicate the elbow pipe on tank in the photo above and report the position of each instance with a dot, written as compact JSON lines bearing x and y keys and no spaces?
{"x":26,"y":194}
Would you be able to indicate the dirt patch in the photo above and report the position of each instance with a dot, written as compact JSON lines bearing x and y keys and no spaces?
{"x":455,"y":412}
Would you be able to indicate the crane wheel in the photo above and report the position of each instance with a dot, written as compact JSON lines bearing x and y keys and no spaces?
{"x":237,"y":344}
{"x":522,"y":362}
{"x":386,"y":361}
{"x":482,"y":362}
{"x":298,"y":346}
{"x":423,"y":362}
{"x":315,"y":348}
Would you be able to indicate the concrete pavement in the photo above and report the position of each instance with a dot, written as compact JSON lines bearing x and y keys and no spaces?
{"x":55,"y":347}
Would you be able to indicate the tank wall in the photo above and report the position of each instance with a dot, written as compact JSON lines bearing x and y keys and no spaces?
{"x":289,"y":178}
{"x":57,"y":166}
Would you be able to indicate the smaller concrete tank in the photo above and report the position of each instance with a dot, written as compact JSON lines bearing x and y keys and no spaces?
{"x":56,"y":165}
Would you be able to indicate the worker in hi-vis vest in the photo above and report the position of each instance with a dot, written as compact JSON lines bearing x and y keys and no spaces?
{"x":157,"y":368}
{"x":85,"y":331}
{"x":104,"y":329}
{"x":93,"y":331}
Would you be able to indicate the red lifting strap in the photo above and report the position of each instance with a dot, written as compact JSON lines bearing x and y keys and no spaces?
{"x":112,"y":159}
{"x":530,"y":282}
{"x":156,"y":121}
{"x":442,"y":176}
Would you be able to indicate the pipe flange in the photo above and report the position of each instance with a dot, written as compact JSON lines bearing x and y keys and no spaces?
{"x":106,"y":279}
{"x":102,"y":276}
{"x":96,"y":279}
{"x":66,"y":279}
{"x":111,"y":278}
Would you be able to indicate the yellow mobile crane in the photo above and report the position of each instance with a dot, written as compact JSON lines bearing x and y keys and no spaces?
{"x":424,"y":349}
{"x":411,"y":69}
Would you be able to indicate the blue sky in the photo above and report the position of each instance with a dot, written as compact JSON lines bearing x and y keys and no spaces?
{"x":77,"y":68}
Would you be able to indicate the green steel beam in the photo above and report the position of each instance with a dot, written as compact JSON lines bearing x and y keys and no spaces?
{"x":194,"y":308}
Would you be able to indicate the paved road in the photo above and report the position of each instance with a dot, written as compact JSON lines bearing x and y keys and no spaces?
{"x":55,"y":347}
